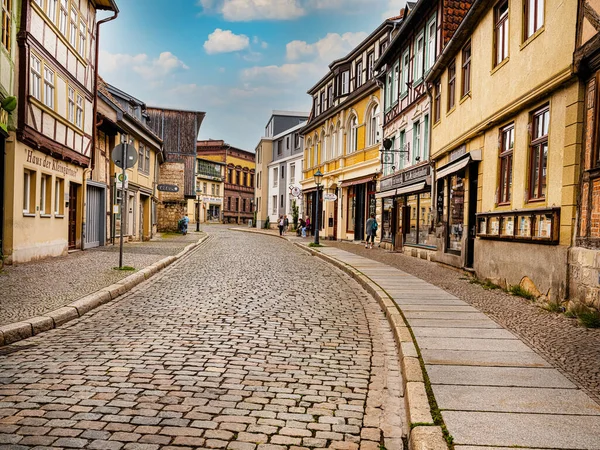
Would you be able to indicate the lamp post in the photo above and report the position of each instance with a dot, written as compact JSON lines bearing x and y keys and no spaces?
{"x":318,"y":178}
{"x":198,"y":192}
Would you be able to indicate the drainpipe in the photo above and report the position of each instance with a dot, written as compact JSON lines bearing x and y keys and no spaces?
{"x":431,"y":163}
{"x":95,"y":91}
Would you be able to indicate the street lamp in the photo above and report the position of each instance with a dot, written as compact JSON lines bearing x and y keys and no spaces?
{"x":198,"y":192}
{"x":318,"y":178}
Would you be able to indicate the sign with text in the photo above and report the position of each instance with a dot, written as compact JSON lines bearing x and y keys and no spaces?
{"x":329,"y":197}
{"x":168,"y":188}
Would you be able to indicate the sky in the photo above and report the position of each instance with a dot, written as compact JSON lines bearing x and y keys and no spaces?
{"x":235,"y":60}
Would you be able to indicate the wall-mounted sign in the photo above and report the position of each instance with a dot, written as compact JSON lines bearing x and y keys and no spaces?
{"x":327,"y":197}
{"x":168,"y":188}
{"x":296,"y":192}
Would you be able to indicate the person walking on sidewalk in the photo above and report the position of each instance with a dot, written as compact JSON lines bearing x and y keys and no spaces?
{"x":280,"y":225}
{"x":286,"y":224}
{"x":371,"y":230}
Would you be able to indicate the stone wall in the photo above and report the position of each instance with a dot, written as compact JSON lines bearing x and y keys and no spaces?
{"x":584,"y":276}
{"x":172,"y":206}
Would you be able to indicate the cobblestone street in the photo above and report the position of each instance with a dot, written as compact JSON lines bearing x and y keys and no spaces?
{"x":245,"y":343}
{"x":31,"y":289}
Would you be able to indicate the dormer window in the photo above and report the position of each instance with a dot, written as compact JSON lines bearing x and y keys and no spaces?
{"x":345,"y":82}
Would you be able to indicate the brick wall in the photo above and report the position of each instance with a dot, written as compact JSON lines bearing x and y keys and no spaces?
{"x":172,"y":206}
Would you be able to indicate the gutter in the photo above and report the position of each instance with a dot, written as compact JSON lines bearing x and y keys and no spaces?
{"x":95,"y":92}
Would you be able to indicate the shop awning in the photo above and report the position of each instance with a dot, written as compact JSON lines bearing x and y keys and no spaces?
{"x":356,"y":181}
{"x":386,"y":194}
{"x":412,"y":188}
{"x":455,"y":166}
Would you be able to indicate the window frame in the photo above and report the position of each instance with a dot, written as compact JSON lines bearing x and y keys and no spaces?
{"x":418,"y":67}
{"x":405,"y":73}
{"x":501,"y":27}
{"x":452,"y":85}
{"x":73,"y":26}
{"x":45,"y":194}
{"x":437,"y":102}
{"x":527,"y":33}
{"x":29,"y":192}
{"x":466,"y":69}
{"x":352,"y":146}
{"x":505,"y":165}
{"x":429,"y":60}
{"x":370,"y":64}
{"x":63,"y":18}
{"x":7,"y":8}
{"x":536,"y":146}
{"x":82,"y":42}
{"x":358,"y":78}
{"x":49,"y":87}
{"x":35,"y":77}
{"x":79,"y":111}
{"x":58,"y":196}
{"x":345,"y":82}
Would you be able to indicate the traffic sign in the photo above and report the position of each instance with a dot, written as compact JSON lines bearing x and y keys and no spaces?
{"x":131,"y":156}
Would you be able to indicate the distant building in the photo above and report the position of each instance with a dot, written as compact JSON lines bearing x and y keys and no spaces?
{"x":280,"y":123}
{"x":210,"y":182}
{"x":238,"y":194}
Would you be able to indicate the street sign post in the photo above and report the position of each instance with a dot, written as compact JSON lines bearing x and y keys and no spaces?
{"x":124,"y":156}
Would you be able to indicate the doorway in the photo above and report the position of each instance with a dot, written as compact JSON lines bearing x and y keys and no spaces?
{"x":335,"y":218}
{"x":359,"y":221}
{"x":472,"y":214}
{"x":2,"y":179}
{"x":94,"y":221}
{"x":73,"y":207}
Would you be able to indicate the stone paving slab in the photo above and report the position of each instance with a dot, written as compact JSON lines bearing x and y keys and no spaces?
{"x":511,"y":399}
{"x":438,"y":308}
{"x":445,"y":315}
{"x":473,"y":358}
{"x":527,"y":430}
{"x":463,"y":343}
{"x":498,"y":376}
{"x":414,"y":300}
{"x":472,"y":333}
{"x":455,"y":323}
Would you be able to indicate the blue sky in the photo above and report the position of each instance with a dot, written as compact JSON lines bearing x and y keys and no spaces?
{"x":236,"y":60}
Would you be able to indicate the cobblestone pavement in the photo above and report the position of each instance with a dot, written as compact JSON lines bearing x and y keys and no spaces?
{"x":29,"y":290}
{"x":244,"y":344}
{"x":573,"y":349}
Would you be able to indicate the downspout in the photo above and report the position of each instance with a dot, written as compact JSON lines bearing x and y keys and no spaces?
{"x":431,"y":164}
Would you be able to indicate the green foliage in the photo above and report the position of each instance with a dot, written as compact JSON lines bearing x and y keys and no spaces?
{"x":487,"y":284}
{"x":125,"y":268}
{"x":312,"y":244}
{"x":520,"y":292}
{"x":295,"y":214}
{"x":267,"y":223}
{"x":589,"y":319}
{"x":553,"y":307}
{"x":9,"y":104}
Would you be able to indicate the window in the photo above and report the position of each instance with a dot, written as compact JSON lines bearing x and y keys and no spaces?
{"x":218,"y":190}
{"x":45,"y":194}
{"x":244,"y":204}
{"x":82,"y":37}
{"x":374,"y":125}
{"x":416,"y":142}
{"x":51,"y":9}
{"x":297,"y":136}
{"x":71,"y":110}
{"x":466,"y":69}
{"x":6,"y":24}
{"x":431,"y":47}
{"x":345,"y":88}
{"x":228,"y":203}
{"x":63,"y":17}
{"x":287,"y":142}
{"x":329,"y":103}
{"x":237,"y":177}
{"x":395,"y":82}
{"x":419,"y":50}
{"x":534,"y":17}
{"x":402,"y":147}
{"x":322,"y":104}
{"x":237,"y":203}
{"x":49,"y":87}
{"x":353,"y":135}
{"x":40,"y":3}
{"x":59,"y":192}
{"x":538,"y":157}
{"x":388,"y":89}
{"x":205,"y":188}
{"x":451,"y":85}
{"x":147,"y":160}
{"x":79,"y":112}
{"x":251,"y":180}
{"x":35,"y":88}
{"x":73,"y":30}
{"x":405,"y":72}
{"x":275,"y":177}
{"x":359,"y":72}
{"x":28,"y":192}
{"x":230,"y":176}
{"x":281,"y":201}
{"x":274,"y":205}
{"x":245,"y":179}
{"x":141,"y":160}
{"x":501,"y":32}
{"x":425,"y":137}
{"x":507,"y":143}
{"x":293,"y":173}
{"x":370,"y":65}
{"x":437,"y":102}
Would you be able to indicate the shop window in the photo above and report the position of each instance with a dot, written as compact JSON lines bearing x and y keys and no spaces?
{"x":351,"y":209}
{"x":501,"y":32}
{"x":538,"y":154}
{"x":29,"y":192}
{"x":59,"y":194}
{"x":45,"y":195}
{"x":387,"y":219}
{"x":456,"y":212}
{"x":535,"y":226}
{"x":507,"y":143}
{"x":418,"y":228}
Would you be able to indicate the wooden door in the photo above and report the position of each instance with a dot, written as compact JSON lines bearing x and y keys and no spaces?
{"x":73,"y":215}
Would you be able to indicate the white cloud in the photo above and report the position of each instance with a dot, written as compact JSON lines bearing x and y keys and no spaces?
{"x":329,"y":48}
{"x":224,"y":41}
{"x":287,"y":73}
{"x":149,"y":69}
{"x":393,"y":8}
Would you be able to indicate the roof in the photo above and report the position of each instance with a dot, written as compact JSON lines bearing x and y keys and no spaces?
{"x":289,"y":113}
{"x":107,"y":5}
{"x":460,"y":36}
{"x":290,"y":130}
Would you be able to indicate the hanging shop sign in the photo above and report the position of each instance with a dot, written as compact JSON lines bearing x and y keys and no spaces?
{"x":328,"y":197}
{"x":168,"y":188}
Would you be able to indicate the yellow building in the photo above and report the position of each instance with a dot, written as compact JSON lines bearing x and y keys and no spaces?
{"x":506,"y":142}
{"x":210,"y":186}
{"x":342,"y":140}
{"x":47,"y":162}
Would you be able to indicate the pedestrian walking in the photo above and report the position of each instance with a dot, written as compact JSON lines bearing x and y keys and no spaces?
{"x":307,"y":222}
{"x":280,"y":225}
{"x":286,"y":224}
{"x":371,"y":230}
{"x":301,"y":231}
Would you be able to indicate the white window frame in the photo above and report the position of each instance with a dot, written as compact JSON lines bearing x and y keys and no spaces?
{"x":275,"y":177}
{"x":431,"y":44}
{"x":358,"y":82}
{"x":416,"y":141}
{"x":63,"y":17}
{"x":51,"y":9}
{"x":345,"y":82}
{"x":44,"y":194}
{"x":353,"y":135}
{"x":293,"y":173}
{"x":74,"y":20}
{"x":79,"y":111}
{"x":35,"y":79}
{"x":27,"y":175}
{"x":395,"y":81}
{"x":388,"y":89}
{"x":71,"y":105}
{"x":49,"y":86}
{"x":419,"y":57}
{"x":82,"y":38}
{"x":533,"y":22}
{"x":274,"y":206}
{"x":374,"y":125}
{"x":57,"y":196}
{"x":405,"y":72}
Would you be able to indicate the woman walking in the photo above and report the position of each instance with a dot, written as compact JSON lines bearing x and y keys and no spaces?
{"x":280,"y":225}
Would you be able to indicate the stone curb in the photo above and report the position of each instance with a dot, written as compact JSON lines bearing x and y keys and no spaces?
{"x":18,"y":331}
{"x":425,"y":435}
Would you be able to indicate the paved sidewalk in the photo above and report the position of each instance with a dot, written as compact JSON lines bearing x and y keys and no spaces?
{"x":32,"y":289}
{"x":493,"y":390}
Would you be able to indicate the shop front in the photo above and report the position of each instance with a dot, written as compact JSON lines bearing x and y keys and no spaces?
{"x":407,"y":212}
{"x":211,"y":209}
{"x":360,"y":203}
{"x":456,"y":189}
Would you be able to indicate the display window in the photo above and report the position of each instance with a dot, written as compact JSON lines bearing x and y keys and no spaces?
{"x":351,"y":209}
{"x":456,"y":213}
{"x":387,"y":218}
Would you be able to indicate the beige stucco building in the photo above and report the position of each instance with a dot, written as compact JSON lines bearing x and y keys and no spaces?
{"x":506,"y":143}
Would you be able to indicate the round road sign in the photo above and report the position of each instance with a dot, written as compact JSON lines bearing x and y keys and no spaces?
{"x":131,"y":156}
